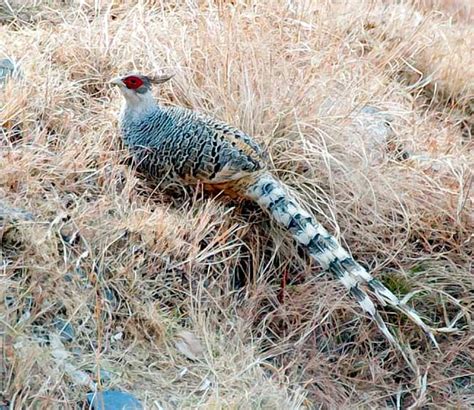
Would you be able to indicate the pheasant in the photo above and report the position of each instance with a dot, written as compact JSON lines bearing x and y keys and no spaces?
{"x":192,"y":148}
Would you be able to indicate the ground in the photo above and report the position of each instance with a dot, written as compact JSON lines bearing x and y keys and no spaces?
{"x":195,"y":301}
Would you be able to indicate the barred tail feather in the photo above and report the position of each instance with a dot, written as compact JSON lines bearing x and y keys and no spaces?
{"x":275,"y":198}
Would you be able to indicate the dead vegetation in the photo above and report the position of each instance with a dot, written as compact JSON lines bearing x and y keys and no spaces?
{"x":132,"y":269}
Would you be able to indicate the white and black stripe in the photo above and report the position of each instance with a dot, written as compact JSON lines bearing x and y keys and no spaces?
{"x":275,"y":198}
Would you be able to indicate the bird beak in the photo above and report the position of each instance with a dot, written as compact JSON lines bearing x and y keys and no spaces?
{"x":116,"y":81}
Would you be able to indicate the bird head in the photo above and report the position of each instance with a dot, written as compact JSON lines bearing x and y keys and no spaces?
{"x":136,"y":88}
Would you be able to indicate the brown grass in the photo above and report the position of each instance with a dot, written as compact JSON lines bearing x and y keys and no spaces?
{"x":130,"y":267}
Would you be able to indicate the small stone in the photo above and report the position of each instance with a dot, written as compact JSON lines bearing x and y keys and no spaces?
{"x":105,"y":376}
{"x":373,"y":128}
{"x":67,"y":277}
{"x":9,"y":301}
{"x":118,"y":336}
{"x":8,"y":68}
{"x":66,"y":331}
{"x":40,"y":335}
{"x":8,"y":213}
{"x":206,"y":383}
{"x":189,"y":345}
{"x":113,"y":400}
{"x":110,"y":298}
{"x":78,"y":377}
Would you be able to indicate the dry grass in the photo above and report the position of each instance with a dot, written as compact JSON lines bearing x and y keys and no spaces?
{"x":130,"y":267}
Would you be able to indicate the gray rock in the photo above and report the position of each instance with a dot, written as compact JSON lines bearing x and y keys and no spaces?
{"x":113,"y":400}
{"x":372,"y":126}
{"x":8,"y":68}
{"x":111,"y":298}
{"x":66,"y":331}
{"x":105,"y":376}
{"x":9,"y":301}
{"x":7,"y":213}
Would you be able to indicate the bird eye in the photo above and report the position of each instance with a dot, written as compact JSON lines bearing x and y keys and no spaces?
{"x":133,"y":82}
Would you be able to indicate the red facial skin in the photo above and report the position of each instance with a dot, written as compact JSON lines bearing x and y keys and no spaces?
{"x":133,"y":82}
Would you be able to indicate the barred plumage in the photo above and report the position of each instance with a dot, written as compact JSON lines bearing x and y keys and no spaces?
{"x":192,"y":148}
{"x":274,"y":197}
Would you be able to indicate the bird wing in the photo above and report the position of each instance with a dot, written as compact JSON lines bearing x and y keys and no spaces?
{"x":219,"y":153}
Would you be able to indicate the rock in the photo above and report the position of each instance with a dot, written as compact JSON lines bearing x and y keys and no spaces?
{"x":66,"y":331}
{"x":189,"y":345}
{"x":63,"y":359}
{"x":373,"y":126}
{"x":10,"y":221}
{"x":7,"y":214}
{"x":110,"y":298}
{"x":78,"y":277}
{"x":117,"y":336}
{"x":8,"y":68}
{"x":113,"y":400}
{"x":77,"y":376}
{"x":105,"y":376}
{"x":9,"y":301}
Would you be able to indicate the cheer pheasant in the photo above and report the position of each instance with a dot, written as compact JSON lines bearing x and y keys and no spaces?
{"x":190,"y":148}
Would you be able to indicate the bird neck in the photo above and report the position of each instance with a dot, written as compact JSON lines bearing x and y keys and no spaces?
{"x":137,"y":105}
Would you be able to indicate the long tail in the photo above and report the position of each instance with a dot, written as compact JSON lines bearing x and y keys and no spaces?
{"x":274,"y":197}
